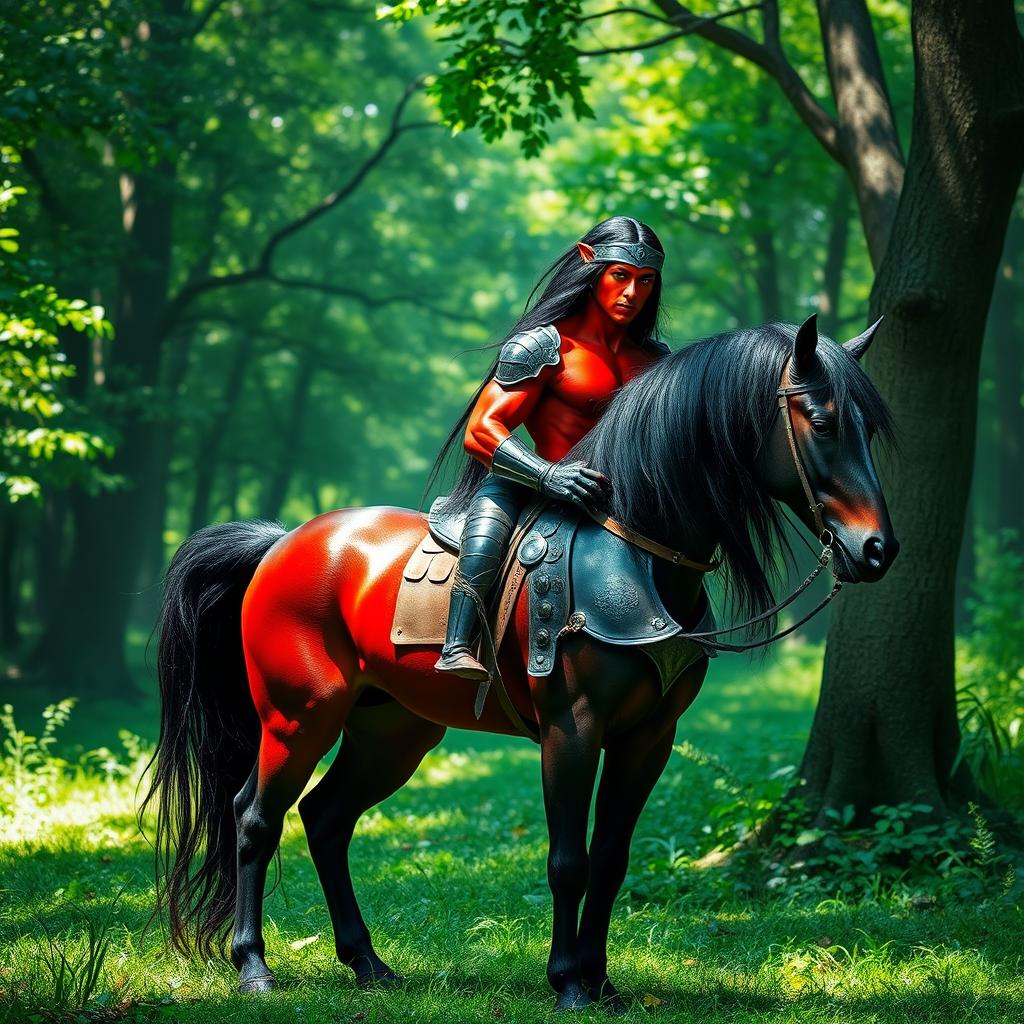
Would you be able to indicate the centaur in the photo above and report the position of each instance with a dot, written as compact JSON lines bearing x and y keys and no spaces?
{"x":702,"y":450}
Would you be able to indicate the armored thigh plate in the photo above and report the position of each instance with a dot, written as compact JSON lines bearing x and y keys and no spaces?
{"x":545,"y":552}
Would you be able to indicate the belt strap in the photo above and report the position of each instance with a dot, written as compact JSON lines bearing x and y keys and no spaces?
{"x":652,"y":546}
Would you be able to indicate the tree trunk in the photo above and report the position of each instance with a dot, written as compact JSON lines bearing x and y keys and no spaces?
{"x":1005,"y":325}
{"x":835,"y":259}
{"x":10,"y":536}
{"x":886,"y":730}
{"x":208,"y":457}
{"x":276,"y":490}
{"x":82,"y":648}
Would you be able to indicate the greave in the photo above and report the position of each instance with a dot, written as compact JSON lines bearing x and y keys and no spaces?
{"x":484,"y":542}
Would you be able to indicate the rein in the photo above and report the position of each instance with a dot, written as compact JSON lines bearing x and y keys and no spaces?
{"x":783,"y":393}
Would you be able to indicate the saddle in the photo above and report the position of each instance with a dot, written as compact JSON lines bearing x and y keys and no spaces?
{"x":578,"y":577}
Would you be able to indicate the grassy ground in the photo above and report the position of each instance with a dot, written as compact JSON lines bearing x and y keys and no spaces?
{"x":451,"y":873}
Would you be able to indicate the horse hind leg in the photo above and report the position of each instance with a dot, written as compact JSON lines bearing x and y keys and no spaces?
{"x":290,"y":750}
{"x":380,"y":751}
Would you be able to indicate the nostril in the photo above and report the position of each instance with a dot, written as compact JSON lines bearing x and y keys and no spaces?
{"x":874,"y":552}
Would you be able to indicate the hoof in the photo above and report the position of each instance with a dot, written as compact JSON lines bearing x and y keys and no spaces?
{"x":379,"y":980}
{"x":609,"y":998}
{"x":260,"y":983}
{"x":573,"y":998}
{"x":372,"y":972}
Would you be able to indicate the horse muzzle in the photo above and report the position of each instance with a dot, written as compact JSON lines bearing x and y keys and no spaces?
{"x":874,"y":556}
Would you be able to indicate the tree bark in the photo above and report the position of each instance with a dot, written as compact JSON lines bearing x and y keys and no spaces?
{"x":886,"y":730}
{"x":868,"y":140}
{"x":1005,"y":326}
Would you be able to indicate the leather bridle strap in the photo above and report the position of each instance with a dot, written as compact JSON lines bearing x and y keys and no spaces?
{"x":640,"y":541}
{"x":783,"y":393}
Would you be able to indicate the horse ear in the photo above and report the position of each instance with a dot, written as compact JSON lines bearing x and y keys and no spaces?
{"x":586,"y":252}
{"x":805,"y":343}
{"x":859,"y":345}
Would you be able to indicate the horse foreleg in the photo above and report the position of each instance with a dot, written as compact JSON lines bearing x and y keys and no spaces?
{"x":633,"y":763}
{"x":381,"y":749}
{"x":570,"y":750}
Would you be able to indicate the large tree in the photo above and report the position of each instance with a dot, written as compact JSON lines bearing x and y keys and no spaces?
{"x":934,"y":220}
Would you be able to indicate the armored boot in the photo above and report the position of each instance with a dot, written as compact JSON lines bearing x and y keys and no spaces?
{"x":484,"y":541}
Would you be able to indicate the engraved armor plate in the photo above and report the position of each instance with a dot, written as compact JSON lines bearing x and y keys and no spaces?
{"x":523,"y":356}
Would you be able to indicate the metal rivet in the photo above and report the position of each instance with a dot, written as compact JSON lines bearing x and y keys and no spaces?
{"x":541,"y":583}
{"x":539,"y":659}
{"x":545,"y":610}
{"x":543,"y":638}
{"x":658,"y":622}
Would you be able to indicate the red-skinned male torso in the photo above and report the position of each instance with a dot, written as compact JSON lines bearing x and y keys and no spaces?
{"x":564,"y":401}
{"x":561,"y":403}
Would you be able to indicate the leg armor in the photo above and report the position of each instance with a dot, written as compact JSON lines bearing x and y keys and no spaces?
{"x":492,"y":515}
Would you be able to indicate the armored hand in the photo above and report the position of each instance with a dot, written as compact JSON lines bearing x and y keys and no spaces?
{"x":575,"y":482}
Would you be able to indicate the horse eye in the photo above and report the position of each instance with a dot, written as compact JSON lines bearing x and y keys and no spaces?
{"x":820,"y":426}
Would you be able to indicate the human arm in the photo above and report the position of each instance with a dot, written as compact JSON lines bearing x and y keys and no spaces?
{"x":490,"y":439}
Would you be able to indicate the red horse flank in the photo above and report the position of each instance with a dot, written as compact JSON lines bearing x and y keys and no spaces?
{"x":274,"y":644}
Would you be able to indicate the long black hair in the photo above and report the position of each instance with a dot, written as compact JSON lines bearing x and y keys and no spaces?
{"x":566,"y":286}
{"x":679,"y":443}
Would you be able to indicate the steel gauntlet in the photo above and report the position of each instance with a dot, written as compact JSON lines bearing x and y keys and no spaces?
{"x":513,"y":460}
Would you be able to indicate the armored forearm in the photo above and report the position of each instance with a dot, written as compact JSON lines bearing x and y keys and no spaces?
{"x":513,"y":460}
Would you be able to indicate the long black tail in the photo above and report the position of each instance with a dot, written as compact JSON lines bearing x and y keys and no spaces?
{"x":209,"y":731}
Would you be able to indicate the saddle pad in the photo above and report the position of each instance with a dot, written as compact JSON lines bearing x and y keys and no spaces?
{"x":421,"y":612}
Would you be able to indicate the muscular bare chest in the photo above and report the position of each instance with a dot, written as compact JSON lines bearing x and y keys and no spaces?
{"x":589,"y":376}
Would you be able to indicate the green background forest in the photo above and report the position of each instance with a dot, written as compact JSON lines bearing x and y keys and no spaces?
{"x":253,"y":258}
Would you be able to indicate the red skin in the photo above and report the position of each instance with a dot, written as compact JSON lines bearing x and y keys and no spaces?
{"x":316,"y":620}
{"x":563,"y":402}
{"x":316,"y":631}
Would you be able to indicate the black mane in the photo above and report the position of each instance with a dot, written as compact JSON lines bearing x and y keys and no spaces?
{"x":679,"y":442}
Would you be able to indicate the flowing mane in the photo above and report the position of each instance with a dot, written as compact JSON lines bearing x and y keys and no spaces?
{"x":679,"y":442}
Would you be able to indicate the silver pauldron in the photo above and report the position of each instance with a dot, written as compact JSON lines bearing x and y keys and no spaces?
{"x":524,"y":355}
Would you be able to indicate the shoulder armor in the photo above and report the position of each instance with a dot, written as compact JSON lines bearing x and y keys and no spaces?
{"x":524,"y":355}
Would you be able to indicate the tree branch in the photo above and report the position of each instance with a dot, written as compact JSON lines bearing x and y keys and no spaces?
{"x":264,"y":263}
{"x":692,"y":23}
{"x":211,"y":8}
{"x":326,"y":287}
{"x":867,"y":126}
{"x":769,"y":57}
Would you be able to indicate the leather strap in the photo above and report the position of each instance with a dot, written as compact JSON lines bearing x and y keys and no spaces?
{"x":652,"y":546}
{"x":783,"y":393}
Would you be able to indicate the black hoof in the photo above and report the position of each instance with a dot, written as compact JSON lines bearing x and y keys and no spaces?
{"x":260,"y":983}
{"x":573,"y":998}
{"x":380,"y":978}
{"x":609,"y":998}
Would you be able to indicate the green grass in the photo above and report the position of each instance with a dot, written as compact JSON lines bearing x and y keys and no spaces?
{"x":451,"y":875}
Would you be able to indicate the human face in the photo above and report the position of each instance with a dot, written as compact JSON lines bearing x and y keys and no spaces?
{"x":621,"y":291}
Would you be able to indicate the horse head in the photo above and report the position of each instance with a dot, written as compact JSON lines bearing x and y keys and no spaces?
{"x":818,"y":453}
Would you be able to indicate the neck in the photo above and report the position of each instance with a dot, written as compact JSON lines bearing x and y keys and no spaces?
{"x":595,"y":325}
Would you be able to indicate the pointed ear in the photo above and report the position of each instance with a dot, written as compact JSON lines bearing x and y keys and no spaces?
{"x":859,"y":345}
{"x":805,"y":343}
{"x":586,"y":253}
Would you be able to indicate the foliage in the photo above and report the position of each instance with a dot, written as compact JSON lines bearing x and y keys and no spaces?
{"x":38,"y":438}
{"x":34,"y":776}
{"x":514,"y":61}
{"x":990,"y":673}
